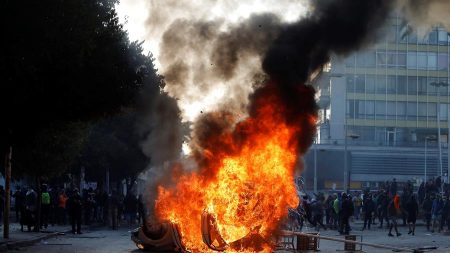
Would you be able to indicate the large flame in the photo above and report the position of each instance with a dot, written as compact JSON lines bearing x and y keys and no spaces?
{"x":250,"y":188}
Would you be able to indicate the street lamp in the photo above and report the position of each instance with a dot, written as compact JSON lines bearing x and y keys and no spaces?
{"x":427,"y":138}
{"x":438,"y":85}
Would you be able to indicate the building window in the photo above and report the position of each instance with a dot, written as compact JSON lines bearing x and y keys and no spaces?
{"x":370,"y":84}
{"x":422,"y":85}
{"x":422,"y":111}
{"x":350,"y":83}
{"x":412,"y":110}
{"x":360,"y":107}
{"x":442,"y":62}
{"x":380,"y":109}
{"x":432,"y":90}
{"x":370,"y":109}
{"x":443,"y":112}
{"x":412,"y":85}
{"x":422,"y":60}
{"x":359,"y":84}
{"x":442,"y":36}
{"x":391,"y":84}
{"x":432,"y":60}
{"x":432,"y":111}
{"x":391,"y":59}
{"x":401,"y":110}
{"x":370,"y":57}
{"x":381,"y":58}
{"x":401,"y":85}
{"x":401,"y":60}
{"x":381,"y":85}
{"x":433,"y":37}
{"x":390,"y":110}
{"x":412,"y":60}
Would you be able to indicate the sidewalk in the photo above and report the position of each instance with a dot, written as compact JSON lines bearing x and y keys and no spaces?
{"x":19,"y":239}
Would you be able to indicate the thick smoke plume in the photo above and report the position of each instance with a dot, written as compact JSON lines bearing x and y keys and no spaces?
{"x":426,"y":13}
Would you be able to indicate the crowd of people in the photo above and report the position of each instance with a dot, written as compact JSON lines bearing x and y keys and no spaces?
{"x":384,"y":206}
{"x":59,"y":206}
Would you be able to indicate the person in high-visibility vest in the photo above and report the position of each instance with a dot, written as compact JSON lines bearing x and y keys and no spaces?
{"x":45,"y":206}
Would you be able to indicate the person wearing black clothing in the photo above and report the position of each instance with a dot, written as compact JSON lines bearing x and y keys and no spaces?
{"x":383,"y":203}
{"x":426,"y":207}
{"x":346,"y":212}
{"x":141,"y":209}
{"x":369,"y":208}
{"x":75,"y":211}
{"x":18,"y":203}
{"x":412,"y":208}
{"x":445,"y":218}
{"x":131,"y":208}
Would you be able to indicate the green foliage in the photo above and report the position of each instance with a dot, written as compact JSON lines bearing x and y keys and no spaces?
{"x":63,"y":64}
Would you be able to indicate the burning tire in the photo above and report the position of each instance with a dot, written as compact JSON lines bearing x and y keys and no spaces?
{"x":210,"y":233}
{"x":163,"y":237}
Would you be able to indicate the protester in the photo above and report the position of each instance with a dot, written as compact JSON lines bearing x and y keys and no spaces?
{"x":45,"y":206}
{"x":412,"y":209}
{"x":393,"y":211}
{"x":75,"y":211}
{"x":31,"y":202}
{"x":346,"y":211}
{"x":62,"y":203}
{"x":18,"y":203}
{"x":317,"y":210}
{"x":131,"y":208}
{"x":445,"y":217}
{"x":426,"y":207}
{"x":368,"y":208}
{"x":436,"y":212}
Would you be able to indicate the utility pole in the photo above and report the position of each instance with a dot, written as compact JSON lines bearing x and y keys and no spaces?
{"x":7,"y":193}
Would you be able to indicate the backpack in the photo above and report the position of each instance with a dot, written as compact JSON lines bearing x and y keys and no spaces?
{"x":45,"y":198}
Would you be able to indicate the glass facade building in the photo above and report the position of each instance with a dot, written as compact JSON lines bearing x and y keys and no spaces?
{"x":390,"y":97}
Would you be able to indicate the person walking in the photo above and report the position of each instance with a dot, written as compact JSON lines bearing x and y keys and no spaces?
{"x":357,"y":203}
{"x":368,"y":208}
{"x":336,"y":212}
{"x":45,"y":207}
{"x":412,"y":209}
{"x":346,"y":212}
{"x":75,"y":211}
{"x":317,"y":210}
{"x":18,"y":203}
{"x":436,"y":212}
{"x":62,"y":203}
{"x":131,"y":208}
{"x":426,"y":207}
{"x":31,"y":202}
{"x":393,"y":211}
{"x":445,"y":214}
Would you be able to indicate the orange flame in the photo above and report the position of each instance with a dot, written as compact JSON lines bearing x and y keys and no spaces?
{"x":251,"y":189}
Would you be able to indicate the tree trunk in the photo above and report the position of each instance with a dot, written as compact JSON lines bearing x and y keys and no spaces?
{"x":7,"y":193}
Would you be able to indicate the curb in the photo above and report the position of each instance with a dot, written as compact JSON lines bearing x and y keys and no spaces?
{"x":25,"y":243}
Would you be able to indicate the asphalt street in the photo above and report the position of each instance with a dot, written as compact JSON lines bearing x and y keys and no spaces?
{"x":107,"y":241}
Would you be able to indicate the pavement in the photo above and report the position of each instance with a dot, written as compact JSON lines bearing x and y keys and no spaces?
{"x":97,"y":239}
{"x":422,"y":240}
{"x":18,"y":239}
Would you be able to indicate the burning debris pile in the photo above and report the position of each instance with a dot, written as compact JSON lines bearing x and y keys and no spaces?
{"x":246,"y":164}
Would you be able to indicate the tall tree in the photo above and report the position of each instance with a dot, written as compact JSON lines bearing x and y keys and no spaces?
{"x":63,"y":61}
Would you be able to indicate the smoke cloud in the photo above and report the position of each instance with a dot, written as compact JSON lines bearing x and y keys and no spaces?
{"x":426,"y":13}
